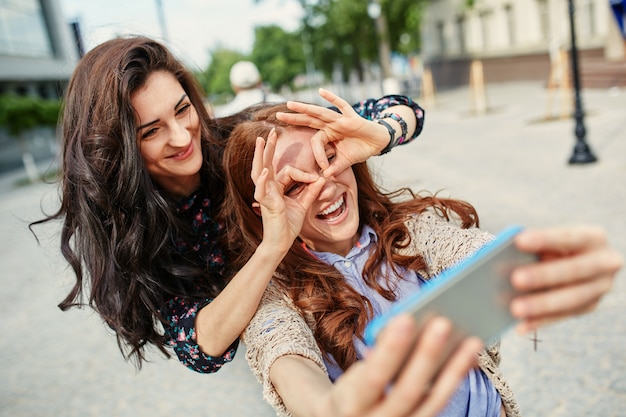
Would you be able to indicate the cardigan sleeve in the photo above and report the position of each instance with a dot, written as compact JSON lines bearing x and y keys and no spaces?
{"x":277,"y":329}
{"x":443,"y":244}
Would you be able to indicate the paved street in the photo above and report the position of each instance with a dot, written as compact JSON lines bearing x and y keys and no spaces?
{"x":509,"y":163}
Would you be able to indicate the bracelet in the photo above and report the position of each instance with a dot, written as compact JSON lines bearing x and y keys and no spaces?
{"x":392,"y":136}
{"x":400,"y":120}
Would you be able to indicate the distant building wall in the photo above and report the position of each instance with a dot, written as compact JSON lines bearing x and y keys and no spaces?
{"x":514,"y":39}
{"x":38,"y":50}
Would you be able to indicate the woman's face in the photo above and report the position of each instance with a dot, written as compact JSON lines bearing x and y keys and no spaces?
{"x":332,"y":222}
{"x":168,"y":133}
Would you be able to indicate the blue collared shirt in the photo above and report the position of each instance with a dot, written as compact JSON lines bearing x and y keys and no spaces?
{"x":476,"y":396}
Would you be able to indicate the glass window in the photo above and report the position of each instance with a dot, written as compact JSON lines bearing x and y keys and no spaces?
{"x":23,"y":30}
{"x":441,"y":38}
{"x":510,"y":23}
{"x":544,"y":19}
{"x":460,"y":32}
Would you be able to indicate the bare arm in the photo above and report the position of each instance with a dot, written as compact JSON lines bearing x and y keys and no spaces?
{"x":421,"y":385}
{"x":218,"y":324}
{"x":355,"y":138}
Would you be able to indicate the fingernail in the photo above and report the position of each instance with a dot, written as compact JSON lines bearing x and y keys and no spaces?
{"x":518,"y":309}
{"x":521,"y":278}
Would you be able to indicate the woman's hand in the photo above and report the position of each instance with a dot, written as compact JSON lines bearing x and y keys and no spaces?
{"x":577,"y":267}
{"x":407,"y":373}
{"x":355,"y":138}
{"x":282,"y":216}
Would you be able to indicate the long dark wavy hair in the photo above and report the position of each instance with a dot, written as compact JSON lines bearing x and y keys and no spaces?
{"x":316,"y":288}
{"x":119,"y":227}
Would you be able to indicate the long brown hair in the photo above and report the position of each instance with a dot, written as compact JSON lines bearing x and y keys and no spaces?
{"x":316,"y":288}
{"x":119,"y":227}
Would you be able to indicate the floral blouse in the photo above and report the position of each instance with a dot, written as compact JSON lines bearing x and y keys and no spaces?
{"x":180,"y":312}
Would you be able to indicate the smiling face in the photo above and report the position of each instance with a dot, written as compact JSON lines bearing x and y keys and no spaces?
{"x":168,"y":133}
{"x":332,"y":222}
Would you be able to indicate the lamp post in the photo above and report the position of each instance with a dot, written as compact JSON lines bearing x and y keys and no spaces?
{"x":582,"y":153}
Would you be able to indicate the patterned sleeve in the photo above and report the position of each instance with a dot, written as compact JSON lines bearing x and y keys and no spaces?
{"x":180,"y":335}
{"x":374,"y":108}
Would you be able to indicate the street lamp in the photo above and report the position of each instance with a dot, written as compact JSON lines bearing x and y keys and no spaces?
{"x":582,"y":153}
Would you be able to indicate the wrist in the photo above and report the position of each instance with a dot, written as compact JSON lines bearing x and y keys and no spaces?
{"x":397,"y":128}
{"x":397,"y":121}
{"x":270,"y":253}
{"x":391,"y":132}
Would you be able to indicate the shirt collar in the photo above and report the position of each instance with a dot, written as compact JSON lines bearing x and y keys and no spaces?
{"x":368,"y":238}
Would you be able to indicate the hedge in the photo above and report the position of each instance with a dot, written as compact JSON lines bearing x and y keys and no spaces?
{"x":20,"y":114}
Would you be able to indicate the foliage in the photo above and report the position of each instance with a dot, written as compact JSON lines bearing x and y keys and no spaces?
{"x":404,"y":19}
{"x":215,"y":79}
{"x":20,"y":114}
{"x":340,"y":34}
{"x":278,"y":54}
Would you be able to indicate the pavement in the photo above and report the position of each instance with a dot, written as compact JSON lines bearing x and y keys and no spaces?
{"x":511,"y":163}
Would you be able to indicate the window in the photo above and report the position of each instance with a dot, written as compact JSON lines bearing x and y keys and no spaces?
{"x":460,"y":31}
{"x":586,"y":12}
{"x":544,"y":19}
{"x":510,"y":23}
{"x":441,"y":37}
{"x":485,"y":22}
{"x":15,"y":16}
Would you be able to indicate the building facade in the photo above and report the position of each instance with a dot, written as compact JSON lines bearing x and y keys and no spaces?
{"x":38,"y":49}
{"x":521,"y":39}
{"x":38,"y":52}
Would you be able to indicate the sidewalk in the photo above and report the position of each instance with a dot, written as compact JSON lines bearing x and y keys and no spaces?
{"x":512,"y":167}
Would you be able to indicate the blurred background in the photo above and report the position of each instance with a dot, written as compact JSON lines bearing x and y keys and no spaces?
{"x":503,"y":98}
{"x":358,"y":48}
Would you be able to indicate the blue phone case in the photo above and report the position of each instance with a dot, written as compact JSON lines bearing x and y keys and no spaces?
{"x":475,"y":294}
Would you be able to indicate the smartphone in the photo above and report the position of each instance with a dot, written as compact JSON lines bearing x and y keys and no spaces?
{"x":475,"y":294}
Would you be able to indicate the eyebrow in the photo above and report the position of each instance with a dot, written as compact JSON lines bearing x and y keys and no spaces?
{"x":155,"y":121}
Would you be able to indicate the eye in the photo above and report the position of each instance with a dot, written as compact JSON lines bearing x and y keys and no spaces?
{"x":183,"y":109}
{"x":149,"y":133}
{"x":293,"y":189}
{"x":331,"y":153}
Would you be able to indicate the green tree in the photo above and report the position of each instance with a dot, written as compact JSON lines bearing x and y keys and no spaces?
{"x":404,"y":19}
{"x":278,"y":54}
{"x":341,"y":32}
{"x":215,"y":79}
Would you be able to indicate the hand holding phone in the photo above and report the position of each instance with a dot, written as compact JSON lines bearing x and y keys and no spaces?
{"x":475,"y":294}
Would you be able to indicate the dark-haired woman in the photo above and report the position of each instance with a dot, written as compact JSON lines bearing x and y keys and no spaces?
{"x":141,"y":183}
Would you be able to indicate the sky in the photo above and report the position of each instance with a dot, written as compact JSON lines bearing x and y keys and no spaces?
{"x":193,"y":27}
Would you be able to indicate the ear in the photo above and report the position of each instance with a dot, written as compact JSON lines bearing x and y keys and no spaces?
{"x":256,"y":207}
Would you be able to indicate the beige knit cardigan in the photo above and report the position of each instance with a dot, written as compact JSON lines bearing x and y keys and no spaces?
{"x":279,"y":328}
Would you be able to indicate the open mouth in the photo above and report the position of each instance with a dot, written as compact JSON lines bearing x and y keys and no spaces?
{"x":334,"y":211}
{"x":184,"y":153}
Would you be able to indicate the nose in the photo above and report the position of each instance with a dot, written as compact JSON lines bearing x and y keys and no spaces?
{"x":179,"y":135}
{"x":328,"y":189}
